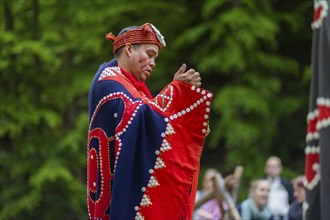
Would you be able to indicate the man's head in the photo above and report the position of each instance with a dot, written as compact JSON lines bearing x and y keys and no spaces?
{"x":299,"y":190}
{"x":136,"y":49}
{"x":259,"y":192}
{"x":273,"y":167}
{"x":118,"y":50}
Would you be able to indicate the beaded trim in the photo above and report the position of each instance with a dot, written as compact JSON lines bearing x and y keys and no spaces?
{"x":166,"y":98}
{"x":194,"y":106}
{"x":313,"y":152}
{"x":116,"y":95}
{"x":321,"y":9}
{"x":109,"y":71}
{"x":162,"y":102}
{"x":317,"y":120}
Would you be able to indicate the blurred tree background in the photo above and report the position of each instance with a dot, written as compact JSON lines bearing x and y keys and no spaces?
{"x":253,"y":55}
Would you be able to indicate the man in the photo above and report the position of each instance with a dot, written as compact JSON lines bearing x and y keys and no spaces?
{"x":281,"y":191}
{"x":296,"y":207}
{"x":143,"y":152}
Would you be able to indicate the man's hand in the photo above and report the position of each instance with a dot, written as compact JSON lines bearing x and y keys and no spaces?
{"x":191,"y":76}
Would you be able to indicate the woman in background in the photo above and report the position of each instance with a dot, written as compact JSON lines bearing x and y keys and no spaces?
{"x":209,"y":210}
{"x":255,"y":207}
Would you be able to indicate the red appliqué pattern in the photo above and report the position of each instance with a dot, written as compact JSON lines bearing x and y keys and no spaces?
{"x":99,"y":162}
{"x":316,"y":120}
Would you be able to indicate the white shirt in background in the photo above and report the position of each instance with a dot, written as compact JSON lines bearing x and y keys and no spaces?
{"x":278,"y":200}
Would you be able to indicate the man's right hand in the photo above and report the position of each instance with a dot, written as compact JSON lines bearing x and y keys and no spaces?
{"x":190,"y":76}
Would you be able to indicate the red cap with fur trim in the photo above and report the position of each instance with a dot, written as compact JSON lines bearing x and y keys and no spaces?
{"x":146,"y":34}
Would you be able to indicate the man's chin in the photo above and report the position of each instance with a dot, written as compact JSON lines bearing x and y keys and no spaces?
{"x":146,"y":75}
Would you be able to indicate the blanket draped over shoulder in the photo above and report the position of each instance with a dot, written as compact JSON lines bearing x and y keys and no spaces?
{"x":143,"y":153}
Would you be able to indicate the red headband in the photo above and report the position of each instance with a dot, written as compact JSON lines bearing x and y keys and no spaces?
{"x":146,"y":34}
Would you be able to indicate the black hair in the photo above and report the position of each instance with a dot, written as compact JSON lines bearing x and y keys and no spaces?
{"x":124,"y":30}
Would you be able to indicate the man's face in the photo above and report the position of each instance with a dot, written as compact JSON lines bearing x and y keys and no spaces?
{"x":143,"y":60}
{"x":261,"y":193}
{"x":273,"y":168}
{"x":299,"y":193}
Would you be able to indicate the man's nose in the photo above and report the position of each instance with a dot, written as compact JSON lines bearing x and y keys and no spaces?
{"x":152,"y":63}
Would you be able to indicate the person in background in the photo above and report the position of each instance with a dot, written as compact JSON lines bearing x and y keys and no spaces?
{"x":255,"y":207}
{"x":209,"y":210}
{"x":296,"y":209}
{"x":281,"y":191}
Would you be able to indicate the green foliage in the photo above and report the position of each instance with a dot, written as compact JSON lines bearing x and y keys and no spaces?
{"x":251,"y":54}
{"x":256,"y":79}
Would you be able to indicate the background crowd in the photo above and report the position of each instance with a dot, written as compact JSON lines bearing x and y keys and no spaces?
{"x":271,"y":197}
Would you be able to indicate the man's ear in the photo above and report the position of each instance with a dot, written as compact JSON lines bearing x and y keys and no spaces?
{"x":128,"y":49}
